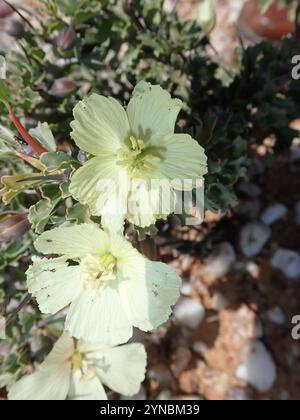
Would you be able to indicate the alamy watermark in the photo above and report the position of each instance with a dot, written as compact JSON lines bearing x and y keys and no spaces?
{"x":296,"y":68}
{"x":296,"y":329}
{"x":161,"y":197}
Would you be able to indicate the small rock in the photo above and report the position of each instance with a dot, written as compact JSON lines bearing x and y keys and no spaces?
{"x":253,"y":269}
{"x":276,"y":315}
{"x":199,"y":347}
{"x":249,"y":189}
{"x":219,"y":302}
{"x":219,"y":263}
{"x":250,"y":208}
{"x":288,"y":262}
{"x":187,"y":398}
{"x":180,"y":360}
{"x":160,"y":374}
{"x":239,"y":394}
{"x":273,"y":213}
{"x":186,"y":288}
{"x":259,"y":369}
{"x":212,"y":384}
{"x":297,"y":213}
{"x":284,"y":395}
{"x":189,"y":312}
{"x":254,"y":236}
{"x":165,"y":394}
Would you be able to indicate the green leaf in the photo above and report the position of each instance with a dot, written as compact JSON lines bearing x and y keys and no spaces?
{"x":79,"y":213}
{"x":39,"y":215}
{"x":68,"y":7}
{"x":4,"y":92}
{"x":57,"y":160}
{"x":8,"y":144}
{"x":44,"y":135}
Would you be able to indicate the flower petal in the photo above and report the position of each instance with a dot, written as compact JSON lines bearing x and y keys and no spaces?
{"x":122,"y":368}
{"x":129,"y":259}
{"x":98,"y":316}
{"x":183,"y":159}
{"x":87,"y":181}
{"x":152,"y":112}
{"x":86,"y":388}
{"x":44,"y":385}
{"x":100,"y":125}
{"x":148,"y":298}
{"x":73,"y":242}
{"x":150,"y":201}
{"x":52,"y":380}
{"x":53,"y":283}
{"x":112,"y":201}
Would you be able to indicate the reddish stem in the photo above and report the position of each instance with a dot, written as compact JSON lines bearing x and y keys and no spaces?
{"x":33,"y":143}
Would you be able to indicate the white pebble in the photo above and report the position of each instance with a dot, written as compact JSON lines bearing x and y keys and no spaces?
{"x":186,"y":288}
{"x":165,"y":394}
{"x":273,"y":213}
{"x":199,"y":347}
{"x":276,"y":315}
{"x":254,"y":236}
{"x":253,"y":269}
{"x":259,"y":369}
{"x":219,"y":301}
{"x":219,"y":263}
{"x":189,"y":312}
{"x":288,"y":262}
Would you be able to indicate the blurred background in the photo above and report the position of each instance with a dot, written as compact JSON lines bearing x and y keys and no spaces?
{"x":230,"y":337}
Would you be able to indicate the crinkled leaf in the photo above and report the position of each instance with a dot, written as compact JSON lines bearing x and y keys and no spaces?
{"x":44,"y":135}
{"x":79,"y":213}
{"x":39,"y":215}
{"x":58,"y":160}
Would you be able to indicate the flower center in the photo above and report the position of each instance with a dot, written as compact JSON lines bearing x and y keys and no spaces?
{"x":98,"y":271}
{"x":138,"y":157}
{"x":77,"y":360}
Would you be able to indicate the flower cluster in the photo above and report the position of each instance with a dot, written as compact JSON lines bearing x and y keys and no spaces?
{"x":94,"y":273}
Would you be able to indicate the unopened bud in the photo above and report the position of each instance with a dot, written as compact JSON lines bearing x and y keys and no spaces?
{"x":63,"y":87}
{"x":13,"y":225}
{"x":66,"y":38}
{"x":5,"y":9}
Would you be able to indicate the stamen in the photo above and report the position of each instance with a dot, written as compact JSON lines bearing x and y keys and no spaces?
{"x":98,"y":271}
{"x":138,"y":158}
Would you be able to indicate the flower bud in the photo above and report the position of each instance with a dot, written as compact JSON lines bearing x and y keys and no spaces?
{"x":5,"y":9}
{"x":66,"y":38}
{"x":13,"y":225}
{"x":63,"y":87}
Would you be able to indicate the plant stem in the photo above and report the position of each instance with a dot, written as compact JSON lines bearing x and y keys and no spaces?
{"x":20,"y":14}
{"x":14,"y":313}
{"x":33,"y":143}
